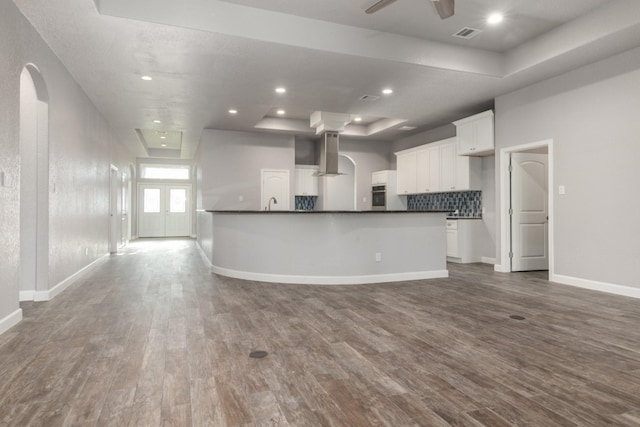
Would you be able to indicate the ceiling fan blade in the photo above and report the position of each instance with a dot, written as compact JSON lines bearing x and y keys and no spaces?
{"x":379,"y":5}
{"x":445,"y":8}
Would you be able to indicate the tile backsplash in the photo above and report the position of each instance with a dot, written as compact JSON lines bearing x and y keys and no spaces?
{"x":305,"y":203}
{"x":468,"y":203}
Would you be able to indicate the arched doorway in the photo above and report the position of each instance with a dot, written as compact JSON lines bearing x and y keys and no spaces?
{"x":34,"y":184}
{"x":340,"y":190}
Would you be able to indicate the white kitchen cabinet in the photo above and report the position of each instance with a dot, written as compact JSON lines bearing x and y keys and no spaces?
{"x":406,"y":173}
{"x":448,"y":167}
{"x":382,"y":177}
{"x":475,"y":135}
{"x":306,"y":180}
{"x":436,"y":167}
{"x":464,"y":240}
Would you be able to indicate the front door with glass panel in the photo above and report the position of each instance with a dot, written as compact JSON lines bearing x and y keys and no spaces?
{"x":165,"y":210}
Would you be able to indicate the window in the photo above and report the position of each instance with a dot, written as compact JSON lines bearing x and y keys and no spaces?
{"x":180,"y":172}
{"x":177,"y":200}
{"x":151,"y":203}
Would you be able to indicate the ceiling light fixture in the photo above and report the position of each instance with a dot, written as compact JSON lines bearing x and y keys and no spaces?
{"x":495,"y":18}
{"x":387,"y":91}
{"x":280,"y":112}
{"x":164,"y":145}
{"x":233,"y":111}
{"x":157,"y":121}
{"x":281,"y":90}
{"x":163,"y":137}
{"x":147,"y":78}
{"x":357,"y":119}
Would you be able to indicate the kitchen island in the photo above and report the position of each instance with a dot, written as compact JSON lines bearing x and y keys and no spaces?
{"x":325,"y":247}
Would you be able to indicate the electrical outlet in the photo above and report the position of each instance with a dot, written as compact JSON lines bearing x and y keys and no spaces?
{"x":561,"y":189}
{"x":378,"y":256}
{"x":241,"y":198}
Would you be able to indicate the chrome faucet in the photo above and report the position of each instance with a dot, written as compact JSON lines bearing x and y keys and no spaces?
{"x":275,"y":202}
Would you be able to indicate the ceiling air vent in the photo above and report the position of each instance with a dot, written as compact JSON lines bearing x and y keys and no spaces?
{"x":369,"y":98}
{"x":467,"y":33}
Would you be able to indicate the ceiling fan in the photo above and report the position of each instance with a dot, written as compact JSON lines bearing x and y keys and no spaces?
{"x":444,"y":7}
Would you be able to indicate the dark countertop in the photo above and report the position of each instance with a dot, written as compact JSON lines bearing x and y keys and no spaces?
{"x":320,"y":212}
{"x":464,"y":217}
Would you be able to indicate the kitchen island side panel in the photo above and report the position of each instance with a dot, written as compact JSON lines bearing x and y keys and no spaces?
{"x":329,"y":248}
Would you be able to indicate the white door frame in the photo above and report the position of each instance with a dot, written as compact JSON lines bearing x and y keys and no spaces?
{"x":504,"y":202}
{"x":113,"y":209}
{"x":163,"y":186}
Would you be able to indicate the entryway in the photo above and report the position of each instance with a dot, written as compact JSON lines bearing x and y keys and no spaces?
{"x":526,"y":202}
{"x":164,"y":210}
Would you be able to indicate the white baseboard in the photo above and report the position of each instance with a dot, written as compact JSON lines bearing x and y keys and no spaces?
{"x":329,"y":280}
{"x":57,"y":289}
{"x":501,"y":268}
{"x":10,"y":321}
{"x":487,"y":260}
{"x":27,"y":295}
{"x":610,"y":288}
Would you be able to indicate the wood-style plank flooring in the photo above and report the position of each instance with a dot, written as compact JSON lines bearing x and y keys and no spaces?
{"x":150,"y":337}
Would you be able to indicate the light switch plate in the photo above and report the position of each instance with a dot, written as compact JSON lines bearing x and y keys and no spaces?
{"x":561,"y":189}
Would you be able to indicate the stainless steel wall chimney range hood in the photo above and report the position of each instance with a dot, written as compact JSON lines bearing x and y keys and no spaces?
{"x":329,"y":154}
{"x":328,"y":125}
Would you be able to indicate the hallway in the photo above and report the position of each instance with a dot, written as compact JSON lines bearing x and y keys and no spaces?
{"x":150,"y":337}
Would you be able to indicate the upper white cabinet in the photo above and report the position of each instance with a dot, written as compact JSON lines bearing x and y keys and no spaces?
{"x":382,"y":177}
{"x":306,"y":180}
{"x":475,"y":135}
{"x":437,"y":167}
{"x":406,"y":173}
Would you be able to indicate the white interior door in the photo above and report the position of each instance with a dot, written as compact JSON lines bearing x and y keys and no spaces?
{"x":275,"y":184}
{"x":165,"y":210}
{"x":530,"y":212}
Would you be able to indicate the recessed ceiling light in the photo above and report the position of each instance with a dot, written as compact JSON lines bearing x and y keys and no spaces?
{"x":281,"y":90}
{"x":357,"y":119}
{"x":280,"y":112}
{"x":495,"y":18}
{"x":163,"y":137}
{"x":406,"y":128}
{"x":387,"y":91}
{"x":233,"y":111}
{"x":147,"y":78}
{"x":157,"y":121}
{"x":163,"y":145}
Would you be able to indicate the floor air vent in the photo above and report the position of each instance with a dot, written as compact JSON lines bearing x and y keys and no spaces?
{"x":467,"y":33}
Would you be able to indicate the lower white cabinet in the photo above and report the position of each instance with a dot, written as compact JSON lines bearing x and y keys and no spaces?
{"x":306,"y":180}
{"x":463,"y":240}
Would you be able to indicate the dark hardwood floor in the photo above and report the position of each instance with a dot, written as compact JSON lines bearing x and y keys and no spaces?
{"x":150,"y":338}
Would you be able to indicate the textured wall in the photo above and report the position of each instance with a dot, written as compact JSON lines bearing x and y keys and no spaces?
{"x":81,"y":148}
{"x":11,"y":63}
{"x":591,"y":114}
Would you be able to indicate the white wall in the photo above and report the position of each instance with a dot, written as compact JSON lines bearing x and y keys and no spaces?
{"x":488,"y":238}
{"x":591,"y":114}
{"x":369,"y":156}
{"x":228,"y":167}
{"x":81,"y":148}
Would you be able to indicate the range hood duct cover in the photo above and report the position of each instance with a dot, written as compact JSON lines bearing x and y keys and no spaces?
{"x":329,"y":154}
